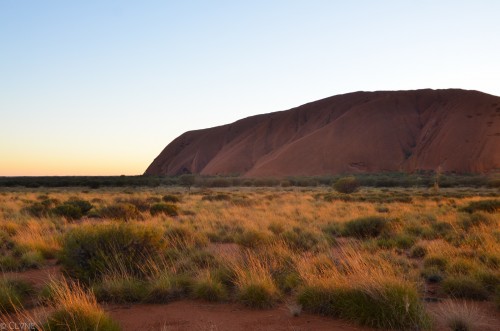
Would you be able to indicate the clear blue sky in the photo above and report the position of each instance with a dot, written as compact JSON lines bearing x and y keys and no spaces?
{"x":100,"y":87}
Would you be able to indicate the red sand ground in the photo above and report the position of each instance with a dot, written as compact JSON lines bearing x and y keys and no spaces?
{"x":202,"y":316}
{"x":446,"y":130}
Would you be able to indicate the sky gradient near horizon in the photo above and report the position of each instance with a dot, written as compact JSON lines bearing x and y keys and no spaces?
{"x":101,"y":87}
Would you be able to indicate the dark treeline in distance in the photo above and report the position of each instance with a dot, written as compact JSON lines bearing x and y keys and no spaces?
{"x":420,"y":179}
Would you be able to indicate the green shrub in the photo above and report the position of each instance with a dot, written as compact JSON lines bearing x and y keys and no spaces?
{"x":394,"y":306}
{"x":346,"y":185}
{"x":67,"y":211}
{"x":92,"y":250}
{"x":73,"y":209}
{"x":83,"y":205}
{"x":171,"y":198}
{"x":120,"y":211}
{"x":489,"y":206}
{"x":365,"y":227}
{"x":464,"y":287}
{"x":164,"y":208}
{"x":13,"y":294}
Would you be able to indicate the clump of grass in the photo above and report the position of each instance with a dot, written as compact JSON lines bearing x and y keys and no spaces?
{"x":464,"y":287}
{"x":179,"y":236}
{"x":73,"y":209}
{"x":462,"y":316}
{"x":164,"y":208}
{"x":13,"y":294}
{"x":165,"y":287}
{"x":254,"y":283}
{"x":365,"y":227}
{"x":364,"y":289}
{"x":300,"y":239}
{"x":418,"y":251}
{"x":40,"y":237}
{"x":210,"y":289}
{"x":91,"y":251}
{"x":438,"y":262}
{"x":120,"y":289}
{"x":392,"y":306}
{"x":76,"y":309}
{"x":251,"y":238}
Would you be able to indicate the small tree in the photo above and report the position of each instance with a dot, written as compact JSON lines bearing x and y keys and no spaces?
{"x":346,"y":185}
{"x":187,"y":180}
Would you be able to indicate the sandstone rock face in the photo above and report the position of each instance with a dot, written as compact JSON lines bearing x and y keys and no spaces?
{"x":442,"y":130}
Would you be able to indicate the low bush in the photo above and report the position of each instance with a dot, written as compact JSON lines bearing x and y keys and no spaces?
{"x":346,"y":185}
{"x":418,"y":251}
{"x":67,"y":211}
{"x":120,"y":211}
{"x":475,"y":219}
{"x":92,"y":250}
{"x":489,"y":206}
{"x":164,"y":208}
{"x":365,"y":227}
{"x":171,"y":198}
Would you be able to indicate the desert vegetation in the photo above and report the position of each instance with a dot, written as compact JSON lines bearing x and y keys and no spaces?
{"x":403,"y":258}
